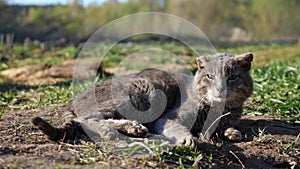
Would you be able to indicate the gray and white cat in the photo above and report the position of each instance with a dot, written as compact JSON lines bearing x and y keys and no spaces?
{"x":169,"y":104}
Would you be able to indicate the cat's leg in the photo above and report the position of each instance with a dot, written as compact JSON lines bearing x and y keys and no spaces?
{"x":177,"y":133}
{"x":98,"y":129}
{"x":226,"y":127}
{"x":130,"y":127}
{"x":111,"y":128}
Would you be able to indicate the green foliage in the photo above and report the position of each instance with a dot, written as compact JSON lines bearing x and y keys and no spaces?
{"x":276,"y":90}
{"x":118,"y":52}
{"x":29,"y":98}
{"x":275,"y":72}
{"x":262,"y":19}
{"x":186,"y":157}
{"x":20,"y":55}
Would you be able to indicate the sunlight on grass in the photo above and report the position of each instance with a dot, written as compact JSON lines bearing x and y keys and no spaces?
{"x":275,"y":72}
{"x":276,"y":90}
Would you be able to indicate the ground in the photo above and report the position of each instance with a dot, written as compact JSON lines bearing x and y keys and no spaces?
{"x":268,"y":144}
{"x":270,"y":126}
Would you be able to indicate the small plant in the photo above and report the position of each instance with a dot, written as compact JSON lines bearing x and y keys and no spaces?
{"x":1,"y":113}
{"x":262,"y":137}
{"x":291,"y":146}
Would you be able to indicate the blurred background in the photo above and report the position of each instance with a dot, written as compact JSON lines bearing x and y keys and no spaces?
{"x":73,"y":21}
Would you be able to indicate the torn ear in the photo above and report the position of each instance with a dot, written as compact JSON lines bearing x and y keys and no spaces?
{"x":200,"y":62}
{"x":247,"y":57}
{"x":245,"y":60}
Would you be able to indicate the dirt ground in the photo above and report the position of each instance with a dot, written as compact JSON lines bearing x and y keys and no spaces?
{"x":268,"y":142}
{"x":35,"y":75}
{"x":22,"y":146}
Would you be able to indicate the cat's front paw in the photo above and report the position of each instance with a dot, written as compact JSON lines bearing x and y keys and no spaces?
{"x":189,"y":141}
{"x":233,"y":134}
{"x":137,"y":129}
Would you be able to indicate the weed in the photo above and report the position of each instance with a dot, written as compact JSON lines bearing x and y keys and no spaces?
{"x":291,"y":146}
{"x":262,"y":137}
{"x":276,"y":90}
{"x":1,"y":112}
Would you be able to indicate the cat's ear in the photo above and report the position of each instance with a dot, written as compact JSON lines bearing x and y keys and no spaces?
{"x":200,"y":62}
{"x":245,"y":60}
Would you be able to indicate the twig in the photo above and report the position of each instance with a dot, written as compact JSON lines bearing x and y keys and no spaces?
{"x":243,"y":166}
{"x":213,"y":123}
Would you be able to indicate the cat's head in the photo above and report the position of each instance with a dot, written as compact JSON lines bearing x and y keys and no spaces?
{"x":224,"y":77}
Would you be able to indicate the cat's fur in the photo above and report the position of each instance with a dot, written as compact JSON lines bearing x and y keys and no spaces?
{"x":221,"y":79}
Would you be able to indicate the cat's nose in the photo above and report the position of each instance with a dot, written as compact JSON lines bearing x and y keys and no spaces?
{"x":220,"y":90}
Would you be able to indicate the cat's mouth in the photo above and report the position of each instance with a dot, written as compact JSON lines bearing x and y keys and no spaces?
{"x":216,"y":97}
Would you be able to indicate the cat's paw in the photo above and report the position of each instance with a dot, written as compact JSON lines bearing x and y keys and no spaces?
{"x":130,"y":127}
{"x":136,"y":129}
{"x":189,"y":141}
{"x":233,"y":134}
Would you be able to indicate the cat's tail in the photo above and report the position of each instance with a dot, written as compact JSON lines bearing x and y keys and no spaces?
{"x":66,"y":132}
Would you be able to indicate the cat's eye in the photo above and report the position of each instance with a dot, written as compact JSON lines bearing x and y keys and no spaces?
{"x":210,"y":76}
{"x":233,"y":78}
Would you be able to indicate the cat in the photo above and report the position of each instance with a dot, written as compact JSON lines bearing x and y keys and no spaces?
{"x":169,"y":104}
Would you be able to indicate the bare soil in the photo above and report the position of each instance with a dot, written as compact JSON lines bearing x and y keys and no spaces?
{"x":22,"y":146}
{"x":34,"y":75}
{"x":45,"y":74}
{"x":268,"y":142}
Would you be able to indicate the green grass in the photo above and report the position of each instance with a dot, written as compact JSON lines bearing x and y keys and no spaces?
{"x":30,"y":98}
{"x":18,"y":55}
{"x":118,"y":52}
{"x":277,"y":90}
{"x":275,"y":71}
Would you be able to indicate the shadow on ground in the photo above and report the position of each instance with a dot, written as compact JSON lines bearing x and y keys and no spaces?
{"x":23,"y":146}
